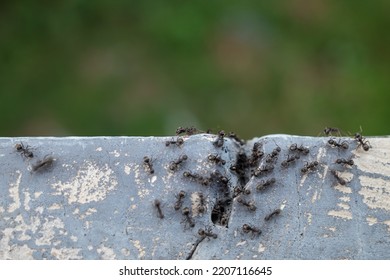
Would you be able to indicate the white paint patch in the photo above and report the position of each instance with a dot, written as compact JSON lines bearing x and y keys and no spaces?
{"x":66,"y":253}
{"x":47,"y":232}
{"x":99,"y":149}
{"x":14,"y":193}
{"x":241,"y":243}
{"x":375,"y":192}
{"x":376,"y":160}
{"x":332,"y":229}
{"x":141,"y":250}
{"x":37,"y":194}
{"x":106,"y":253}
{"x":343,"y":206}
{"x":54,"y":206}
{"x":343,"y":214}
{"x":387,"y":223}
{"x":73,"y":238}
{"x":87,"y":213}
{"x":127,"y":169}
{"x":90,"y":184}
{"x":309,"y":217}
{"x":261,"y":248}
{"x":343,"y":189}
{"x":345,"y":198}
{"x":115,"y":153}
{"x":27,"y":200}
{"x":371,"y":220}
{"x":314,"y":197}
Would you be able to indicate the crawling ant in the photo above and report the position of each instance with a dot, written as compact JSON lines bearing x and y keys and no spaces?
{"x":201,"y":207}
{"x":301,"y":149}
{"x":329,"y":130}
{"x":188,"y":130}
{"x":179,"y":201}
{"x":256,"y":155}
{"x":263,"y":169}
{"x":338,"y":178}
{"x":265,"y":184}
{"x":207,"y":233}
{"x":251,"y":229}
{"x":187,"y":218}
{"x":217,"y":177}
{"x":309,"y":166}
{"x":289,"y":160}
{"x":157,"y":204}
{"x":250,"y":205}
{"x":235,"y":137}
{"x":343,"y":144}
{"x":272,"y":214}
{"x":175,"y":164}
{"x":344,"y":161}
{"x":362,"y":142}
{"x":194,"y":176}
{"x":216,"y":159}
{"x":179,"y":141}
{"x":24,"y":150}
{"x":240,"y":190}
{"x":219,"y":142}
{"x":148,"y":164}
{"x":42,"y":164}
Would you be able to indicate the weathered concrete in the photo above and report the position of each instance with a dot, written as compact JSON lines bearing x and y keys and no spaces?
{"x":95,"y":200}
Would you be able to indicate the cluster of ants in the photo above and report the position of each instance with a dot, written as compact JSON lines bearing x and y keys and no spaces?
{"x":26,"y":152}
{"x":255,"y":164}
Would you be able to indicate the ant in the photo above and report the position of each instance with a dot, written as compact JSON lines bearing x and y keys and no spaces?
{"x":219,"y":178}
{"x":250,"y":205}
{"x":329,"y":130}
{"x":217,"y":159}
{"x":148,"y":164}
{"x":344,"y":161}
{"x":241,"y":190}
{"x":338,"y":178}
{"x":301,"y":149}
{"x":24,"y":150}
{"x":235,"y":137}
{"x":42,"y":164}
{"x":272,"y":214}
{"x":343,"y":144}
{"x":207,"y":233}
{"x":157,"y":204}
{"x":187,"y":217}
{"x":179,"y":141}
{"x":309,"y":166}
{"x":219,"y":142}
{"x":289,"y":160}
{"x":201,"y":208}
{"x":262,"y":170}
{"x":256,"y":155}
{"x":265,"y":184}
{"x":175,"y":164}
{"x":179,"y":201}
{"x":194,"y":176}
{"x":251,"y":229}
{"x":362,"y":142}
{"x":188,"y":130}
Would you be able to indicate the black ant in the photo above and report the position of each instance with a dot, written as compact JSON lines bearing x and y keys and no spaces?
{"x":217,"y":177}
{"x":194,"y":176}
{"x":338,"y":178}
{"x":301,"y":149}
{"x":175,"y":164}
{"x":250,"y":205}
{"x":272,"y":214}
{"x":362,"y":142}
{"x":343,"y":144}
{"x":188,"y":130}
{"x":179,"y":201}
{"x":148,"y":164}
{"x":201,"y":208}
{"x":329,"y":130}
{"x":187,"y":218}
{"x":235,"y":137}
{"x":207,"y":233}
{"x":216,"y":159}
{"x":240,"y":190}
{"x":256,"y":155}
{"x":179,"y":141}
{"x":42,"y":164}
{"x":309,"y":166}
{"x":263,"y":169}
{"x":157,"y":204}
{"x":219,"y":142}
{"x":24,"y":150}
{"x":344,"y":161}
{"x":265,"y":184}
{"x":251,"y":229}
{"x":289,"y":160}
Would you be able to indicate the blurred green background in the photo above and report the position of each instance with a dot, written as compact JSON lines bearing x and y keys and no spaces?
{"x":146,"y":67}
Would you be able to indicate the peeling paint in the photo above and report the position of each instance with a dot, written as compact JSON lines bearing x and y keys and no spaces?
{"x":106,"y":253}
{"x":343,"y":206}
{"x":375,"y":192}
{"x":14,"y":193}
{"x":141,"y":250}
{"x":47,"y":231}
{"x":90,"y":184}
{"x":344,"y":214}
{"x":66,"y":253}
{"x":261,"y":248}
{"x":371,"y":220}
{"x":241,"y":243}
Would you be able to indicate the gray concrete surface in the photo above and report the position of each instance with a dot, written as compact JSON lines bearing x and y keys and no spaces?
{"x":93,"y":198}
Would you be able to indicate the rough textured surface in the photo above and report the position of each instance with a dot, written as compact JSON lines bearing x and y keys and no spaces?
{"x":95,"y":199}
